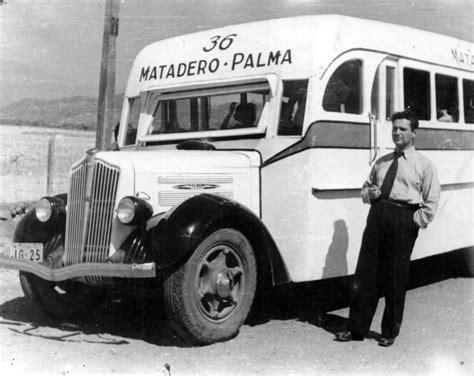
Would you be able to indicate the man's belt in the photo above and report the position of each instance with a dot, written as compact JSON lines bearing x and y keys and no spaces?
{"x":399,"y":204}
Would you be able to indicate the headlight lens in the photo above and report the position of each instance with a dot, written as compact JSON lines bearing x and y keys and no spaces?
{"x":126,"y":210}
{"x":43,"y":210}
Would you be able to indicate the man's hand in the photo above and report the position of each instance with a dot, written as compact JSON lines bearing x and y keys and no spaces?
{"x":374,"y":192}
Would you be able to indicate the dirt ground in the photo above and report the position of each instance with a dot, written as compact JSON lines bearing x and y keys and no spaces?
{"x":289,"y":332}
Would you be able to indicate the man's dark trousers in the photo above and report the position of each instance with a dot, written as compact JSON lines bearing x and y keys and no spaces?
{"x":383,"y":267}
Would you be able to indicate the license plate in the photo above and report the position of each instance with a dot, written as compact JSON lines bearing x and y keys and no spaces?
{"x":27,"y":251}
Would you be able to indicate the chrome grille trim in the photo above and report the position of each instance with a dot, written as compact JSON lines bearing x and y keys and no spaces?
{"x":196,"y":179}
{"x":75,"y":215}
{"x":91,"y":201}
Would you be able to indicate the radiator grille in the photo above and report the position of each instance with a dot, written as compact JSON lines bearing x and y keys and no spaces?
{"x":91,"y":200}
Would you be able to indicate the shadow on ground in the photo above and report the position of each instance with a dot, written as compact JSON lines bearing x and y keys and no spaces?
{"x":310,"y":302}
{"x":130,"y":317}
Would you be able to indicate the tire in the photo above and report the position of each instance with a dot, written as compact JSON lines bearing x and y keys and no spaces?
{"x":59,"y":300}
{"x":209,"y":297}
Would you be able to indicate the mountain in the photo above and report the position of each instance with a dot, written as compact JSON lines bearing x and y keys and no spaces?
{"x":78,"y":112}
{"x":19,"y":81}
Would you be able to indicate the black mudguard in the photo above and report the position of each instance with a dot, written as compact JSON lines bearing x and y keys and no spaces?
{"x":30,"y":230}
{"x":175,"y":237}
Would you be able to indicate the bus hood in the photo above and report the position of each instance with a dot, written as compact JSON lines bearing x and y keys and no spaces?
{"x":169,"y":177}
{"x":181,"y":160}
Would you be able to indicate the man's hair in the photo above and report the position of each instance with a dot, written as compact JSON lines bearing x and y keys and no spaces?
{"x":407,"y":115}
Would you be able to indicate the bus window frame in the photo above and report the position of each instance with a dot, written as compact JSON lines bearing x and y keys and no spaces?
{"x":415,"y":66}
{"x":370,"y":63}
{"x":123,"y":124}
{"x":462,"y":115}
{"x":458,"y":92}
{"x":124,"y":121}
{"x":392,"y":63}
{"x":209,"y":88}
{"x":434,"y":69}
{"x":309,"y":88}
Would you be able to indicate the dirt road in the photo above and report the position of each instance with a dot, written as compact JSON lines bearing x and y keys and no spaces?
{"x":290,"y":332}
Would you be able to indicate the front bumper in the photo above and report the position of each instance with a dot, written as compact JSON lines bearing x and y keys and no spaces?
{"x":146,"y":270}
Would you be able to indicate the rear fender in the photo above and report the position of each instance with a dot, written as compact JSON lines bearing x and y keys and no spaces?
{"x":176,"y":236}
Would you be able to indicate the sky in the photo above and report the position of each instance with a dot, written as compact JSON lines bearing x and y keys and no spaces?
{"x":64,"y":37}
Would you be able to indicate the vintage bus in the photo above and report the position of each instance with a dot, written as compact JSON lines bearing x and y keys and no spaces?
{"x":240,"y":156}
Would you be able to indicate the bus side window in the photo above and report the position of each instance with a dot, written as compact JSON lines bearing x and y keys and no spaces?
{"x":446,"y":98}
{"x":293,"y":107}
{"x":374,"y":97}
{"x":389,"y":92}
{"x":133,"y":117}
{"x":416,"y":88}
{"x":468,"y":90}
{"x":343,"y":91}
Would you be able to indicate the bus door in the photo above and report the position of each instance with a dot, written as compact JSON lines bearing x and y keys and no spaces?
{"x":384,"y":102}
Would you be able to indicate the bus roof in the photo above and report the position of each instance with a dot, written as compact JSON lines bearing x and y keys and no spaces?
{"x":296,"y":47}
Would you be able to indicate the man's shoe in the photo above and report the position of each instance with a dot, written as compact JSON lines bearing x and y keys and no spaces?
{"x":386,"y":342}
{"x":347,"y":336}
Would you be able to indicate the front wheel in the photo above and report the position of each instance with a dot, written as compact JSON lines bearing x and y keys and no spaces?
{"x":208,"y":298}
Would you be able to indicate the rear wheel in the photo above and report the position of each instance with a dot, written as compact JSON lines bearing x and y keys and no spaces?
{"x":58,"y":300}
{"x":208,"y":298}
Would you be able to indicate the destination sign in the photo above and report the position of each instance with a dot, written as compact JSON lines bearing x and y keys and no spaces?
{"x":238,"y":60}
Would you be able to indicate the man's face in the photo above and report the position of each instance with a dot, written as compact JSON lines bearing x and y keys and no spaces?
{"x":402,"y":135}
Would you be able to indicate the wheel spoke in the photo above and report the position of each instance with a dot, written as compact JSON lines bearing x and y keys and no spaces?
{"x":234,"y":295}
{"x":214,"y":308}
{"x":219,"y":263}
{"x":237,"y":271}
{"x":206,"y":286}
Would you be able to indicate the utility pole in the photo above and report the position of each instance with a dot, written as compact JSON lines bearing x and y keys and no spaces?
{"x":105,"y":106}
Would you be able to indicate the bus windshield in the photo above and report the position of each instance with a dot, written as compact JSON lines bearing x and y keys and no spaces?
{"x":208,"y":110}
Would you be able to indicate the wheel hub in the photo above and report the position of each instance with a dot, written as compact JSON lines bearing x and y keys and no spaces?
{"x":224,"y":284}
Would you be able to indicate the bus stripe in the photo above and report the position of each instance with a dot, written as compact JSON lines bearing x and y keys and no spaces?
{"x":345,"y":135}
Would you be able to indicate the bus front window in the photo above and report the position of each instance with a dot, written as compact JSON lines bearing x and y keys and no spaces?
{"x":210,"y":111}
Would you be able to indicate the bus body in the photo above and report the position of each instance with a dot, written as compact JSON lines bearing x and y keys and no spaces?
{"x":241,"y":153}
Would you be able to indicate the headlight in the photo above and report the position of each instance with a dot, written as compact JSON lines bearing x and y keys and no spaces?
{"x":133,"y":210}
{"x":43,"y":210}
{"x":126,"y":210}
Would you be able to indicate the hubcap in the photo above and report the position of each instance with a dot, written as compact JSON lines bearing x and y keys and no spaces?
{"x":224,"y":283}
{"x":220,"y":282}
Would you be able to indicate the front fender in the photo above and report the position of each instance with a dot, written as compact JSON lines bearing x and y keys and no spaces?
{"x":175,"y":237}
{"x":30,"y":230}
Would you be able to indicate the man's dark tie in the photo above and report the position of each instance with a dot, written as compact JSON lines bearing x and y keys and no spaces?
{"x":387,"y":183}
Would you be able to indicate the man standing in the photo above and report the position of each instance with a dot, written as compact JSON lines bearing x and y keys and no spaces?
{"x":404,"y":190}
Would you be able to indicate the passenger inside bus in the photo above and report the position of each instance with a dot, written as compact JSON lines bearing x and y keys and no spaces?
{"x":444,"y":116}
{"x":292,"y":107}
{"x":245,"y":115}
